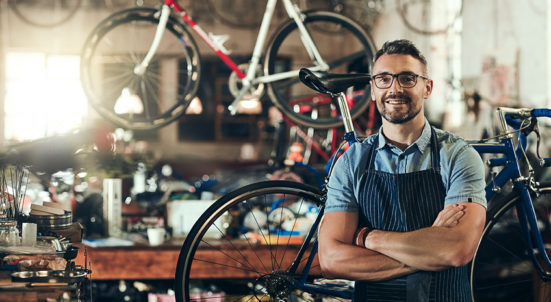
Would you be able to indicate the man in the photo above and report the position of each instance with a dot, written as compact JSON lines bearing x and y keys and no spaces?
{"x":405,"y":208}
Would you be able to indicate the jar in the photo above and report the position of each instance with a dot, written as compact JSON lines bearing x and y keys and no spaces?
{"x":9,"y":234}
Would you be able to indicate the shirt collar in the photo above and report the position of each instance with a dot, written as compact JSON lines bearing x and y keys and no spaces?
{"x":421,"y":143}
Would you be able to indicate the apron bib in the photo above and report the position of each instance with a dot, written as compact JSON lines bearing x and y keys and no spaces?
{"x":403,"y":203}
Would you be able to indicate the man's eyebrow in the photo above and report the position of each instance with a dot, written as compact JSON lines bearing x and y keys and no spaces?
{"x":401,"y":72}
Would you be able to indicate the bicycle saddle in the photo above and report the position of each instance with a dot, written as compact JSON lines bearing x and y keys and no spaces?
{"x":332,"y":83}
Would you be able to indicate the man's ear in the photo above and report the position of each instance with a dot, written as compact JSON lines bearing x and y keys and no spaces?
{"x":428,"y":88}
{"x":371,"y":91}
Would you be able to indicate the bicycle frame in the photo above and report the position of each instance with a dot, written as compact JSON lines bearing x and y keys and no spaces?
{"x":249,"y":79}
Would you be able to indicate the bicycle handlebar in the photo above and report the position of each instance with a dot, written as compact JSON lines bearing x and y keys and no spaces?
{"x":511,"y":117}
{"x":524,"y":113}
{"x":542,"y":112}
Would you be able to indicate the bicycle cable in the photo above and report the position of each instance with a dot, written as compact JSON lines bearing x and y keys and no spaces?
{"x":525,"y":156}
{"x":499,"y":136}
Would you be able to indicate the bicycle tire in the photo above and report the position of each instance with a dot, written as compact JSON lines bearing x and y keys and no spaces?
{"x":224,"y":253}
{"x":294,"y":99}
{"x":48,"y":14}
{"x":501,"y":269}
{"x":419,"y":12}
{"x":117,"y":45}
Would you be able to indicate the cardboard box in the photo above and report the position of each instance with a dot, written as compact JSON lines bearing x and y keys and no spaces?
{"x":182,"y":214}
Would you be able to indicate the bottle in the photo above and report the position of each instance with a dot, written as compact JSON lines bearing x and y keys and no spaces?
{"x":9,"y":234}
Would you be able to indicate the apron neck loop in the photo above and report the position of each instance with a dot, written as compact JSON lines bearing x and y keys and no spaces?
{"x":434,"y":149}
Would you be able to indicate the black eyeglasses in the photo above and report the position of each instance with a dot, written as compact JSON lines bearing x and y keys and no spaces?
{"x":405,"y":79}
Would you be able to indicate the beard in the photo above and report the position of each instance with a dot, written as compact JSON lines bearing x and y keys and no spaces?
{"x":394,"y":117}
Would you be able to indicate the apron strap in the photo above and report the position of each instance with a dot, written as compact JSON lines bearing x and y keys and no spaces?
{"x":434,"y":149}
{"x":370,"y":164}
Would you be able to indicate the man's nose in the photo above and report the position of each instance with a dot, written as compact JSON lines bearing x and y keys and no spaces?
{"x":395,"y":85}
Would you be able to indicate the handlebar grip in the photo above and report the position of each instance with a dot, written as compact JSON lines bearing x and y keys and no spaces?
{"x":542,"y":112}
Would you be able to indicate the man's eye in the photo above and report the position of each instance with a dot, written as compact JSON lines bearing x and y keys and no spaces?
{"x":407,"y":79}
{"x":384,"y":79}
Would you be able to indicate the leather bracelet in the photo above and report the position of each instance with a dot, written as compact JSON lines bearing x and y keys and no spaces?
{"x":360,"y":236}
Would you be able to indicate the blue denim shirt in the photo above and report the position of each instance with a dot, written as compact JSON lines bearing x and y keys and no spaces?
{"x":461,"y":168}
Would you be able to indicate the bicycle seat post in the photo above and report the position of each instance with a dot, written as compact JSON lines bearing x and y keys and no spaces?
{"x":345,"y":112}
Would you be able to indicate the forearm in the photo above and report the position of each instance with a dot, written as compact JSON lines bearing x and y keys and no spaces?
{"x":433,"y":248}
{"x":449,"y":242}
{"x":356,"y":263}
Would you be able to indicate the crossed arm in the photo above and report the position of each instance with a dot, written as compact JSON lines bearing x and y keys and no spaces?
{"x":450,"y":241}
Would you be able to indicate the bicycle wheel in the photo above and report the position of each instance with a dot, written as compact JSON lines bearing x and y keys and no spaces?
{"x":111,"y":53}
{"x":350,"y":49}
{"x":242,"y":240}
{"x":429,"y":17}
{"x":502,"y":269}
{"x":44,"y":13}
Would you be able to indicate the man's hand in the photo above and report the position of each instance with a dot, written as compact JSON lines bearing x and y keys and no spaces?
{"x":449,"y":216}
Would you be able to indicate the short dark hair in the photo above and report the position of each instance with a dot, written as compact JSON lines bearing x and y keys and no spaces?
{"x":401,"y":47}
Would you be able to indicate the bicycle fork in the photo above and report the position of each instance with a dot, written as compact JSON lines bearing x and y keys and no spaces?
{"x":163,"y":19}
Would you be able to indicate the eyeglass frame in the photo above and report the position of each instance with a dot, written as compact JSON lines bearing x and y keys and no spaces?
{"x":396,"y":75}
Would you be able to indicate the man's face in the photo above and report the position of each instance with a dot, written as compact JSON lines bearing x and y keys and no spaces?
{"x":397,"y":104}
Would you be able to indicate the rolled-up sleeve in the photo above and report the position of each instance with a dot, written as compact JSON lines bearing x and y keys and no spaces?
{"x":466,"y":178}
{"x":340,"y":188}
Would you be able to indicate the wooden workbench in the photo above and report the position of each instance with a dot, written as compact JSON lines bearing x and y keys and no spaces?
{"x":159,"y":262}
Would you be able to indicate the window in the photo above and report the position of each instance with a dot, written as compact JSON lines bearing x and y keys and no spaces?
{"x":43,"y":95}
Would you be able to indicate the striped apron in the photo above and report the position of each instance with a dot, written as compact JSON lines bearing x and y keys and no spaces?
{"x":403,"y":203}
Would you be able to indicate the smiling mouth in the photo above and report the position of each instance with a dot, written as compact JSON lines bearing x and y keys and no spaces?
{"x":396,"y":101}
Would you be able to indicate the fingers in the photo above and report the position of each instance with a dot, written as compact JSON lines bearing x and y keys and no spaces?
{"x":450,"y":216}
{"x":454,"y":220}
